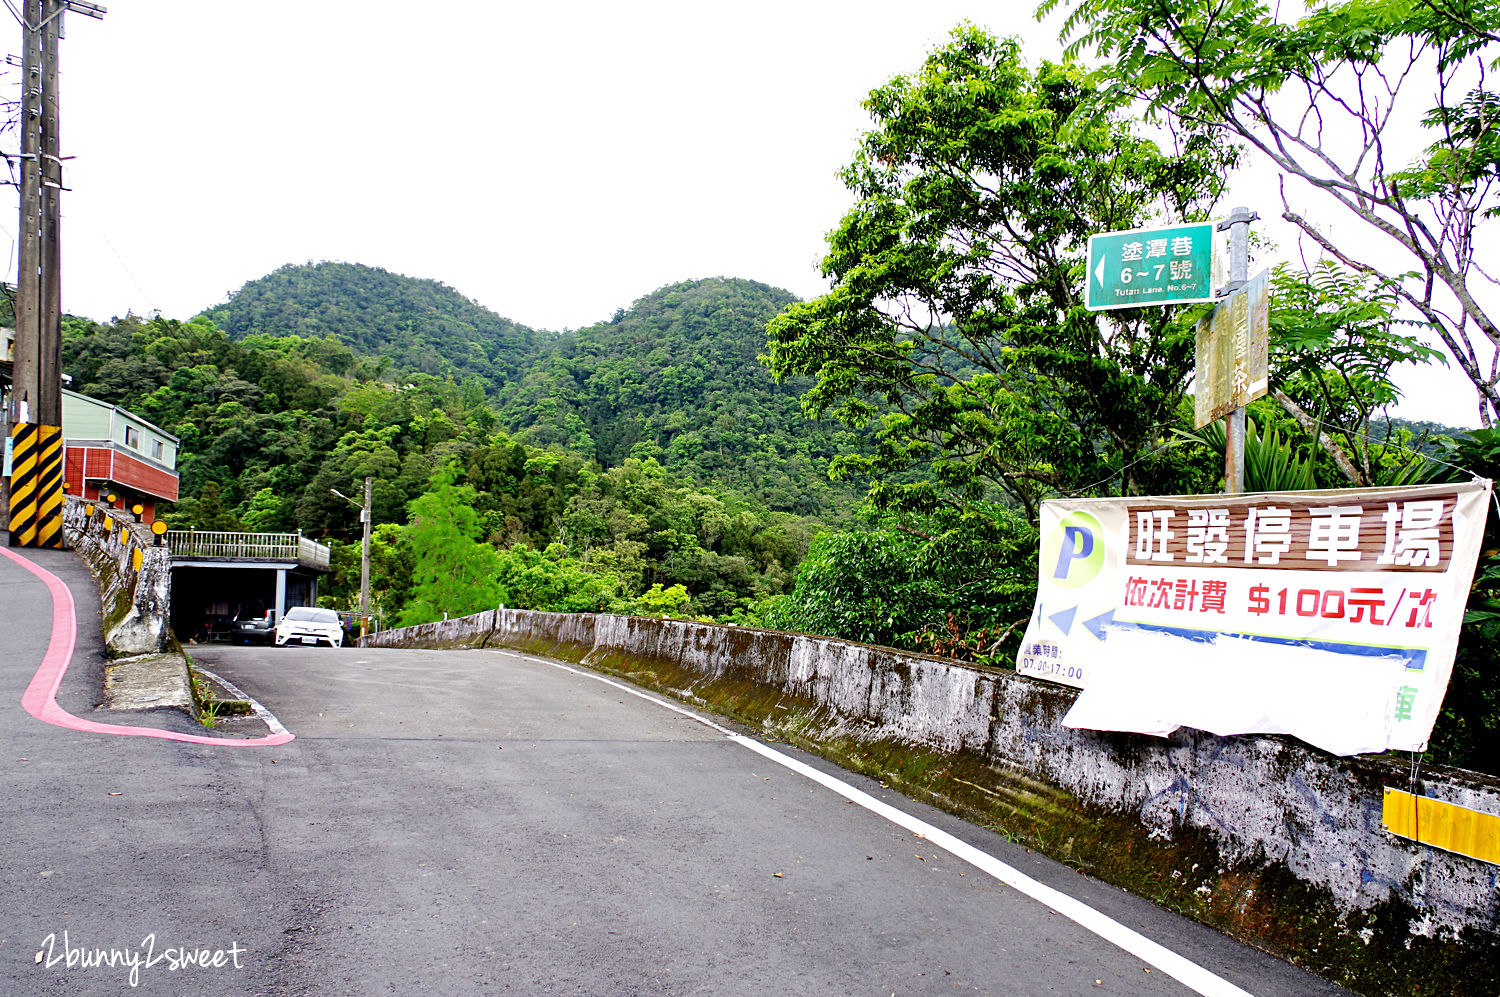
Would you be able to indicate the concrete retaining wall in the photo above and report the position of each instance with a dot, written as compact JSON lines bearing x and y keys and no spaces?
{"x":1264,"y":837}
{"x":135,"y":576}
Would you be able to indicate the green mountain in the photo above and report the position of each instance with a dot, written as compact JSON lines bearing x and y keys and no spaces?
{"x":676,"y":377}
{"x":269,"y":425}
{"x":420,"y":326}
{"x":1424,"y":434}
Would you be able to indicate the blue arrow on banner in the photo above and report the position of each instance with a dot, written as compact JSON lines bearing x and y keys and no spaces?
{"x":1064,"y":619}
{"x":1102,"y":622}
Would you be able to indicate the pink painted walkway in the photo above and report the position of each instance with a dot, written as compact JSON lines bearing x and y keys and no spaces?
{"x":40,"y":698}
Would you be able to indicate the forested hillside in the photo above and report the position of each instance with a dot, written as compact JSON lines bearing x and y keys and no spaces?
{"x":419,"y":326}
{"x":269,"y":424}
{"x":676,"y":377}
{"x":650,"y":450}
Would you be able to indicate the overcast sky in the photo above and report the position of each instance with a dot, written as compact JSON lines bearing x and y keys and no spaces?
{"x":552,"y":161}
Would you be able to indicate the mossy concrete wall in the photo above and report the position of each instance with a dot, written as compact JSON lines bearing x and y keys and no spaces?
{"x":135,"y":576}
{"x":1264,"y":837}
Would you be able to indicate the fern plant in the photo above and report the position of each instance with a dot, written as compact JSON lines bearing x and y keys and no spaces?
{"x":1271,"y":463}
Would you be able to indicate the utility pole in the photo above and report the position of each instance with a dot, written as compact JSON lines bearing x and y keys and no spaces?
{"x":364,"y":558}
{"x":27,"y":387}
{"x":49,"y":355}
{"x":1238,"y":224}
{"x":36,"y":492}
{"x":364,"y":567}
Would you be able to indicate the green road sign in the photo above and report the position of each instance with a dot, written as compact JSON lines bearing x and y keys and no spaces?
{"x":1177,"y":265}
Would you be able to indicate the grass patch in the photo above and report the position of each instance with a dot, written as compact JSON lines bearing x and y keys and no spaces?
{"x":209,"y":706}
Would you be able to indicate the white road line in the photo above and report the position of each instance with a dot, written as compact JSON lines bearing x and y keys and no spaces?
{"x":266,"y":716}
{"x":674,"y":707}
{"x":1184,"y":970}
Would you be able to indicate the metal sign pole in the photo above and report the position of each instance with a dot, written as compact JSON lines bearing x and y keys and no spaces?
{"x":1238,"y":225}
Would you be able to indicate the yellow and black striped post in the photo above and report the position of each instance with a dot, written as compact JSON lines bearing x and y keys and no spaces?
{"x":36,"y":486}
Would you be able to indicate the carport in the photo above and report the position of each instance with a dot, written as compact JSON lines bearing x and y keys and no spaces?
{"x":216,"y":576}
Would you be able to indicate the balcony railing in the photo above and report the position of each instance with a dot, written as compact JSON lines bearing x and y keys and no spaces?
{"x":248,"y":546}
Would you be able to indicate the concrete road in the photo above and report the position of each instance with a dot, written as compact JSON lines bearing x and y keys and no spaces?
{"x":479,"y":822}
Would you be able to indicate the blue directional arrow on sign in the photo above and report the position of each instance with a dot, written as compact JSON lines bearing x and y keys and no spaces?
{"x":1098,"y":624}
{"x":1064,"y":619}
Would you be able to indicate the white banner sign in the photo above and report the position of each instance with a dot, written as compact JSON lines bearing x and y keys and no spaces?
{"x":1332,"y":616}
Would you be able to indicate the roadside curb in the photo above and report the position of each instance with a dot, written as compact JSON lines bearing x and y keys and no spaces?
{"x":148,"y":681}
{"x":134,"y":577}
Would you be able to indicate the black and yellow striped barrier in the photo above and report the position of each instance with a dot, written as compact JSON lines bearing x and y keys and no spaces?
{"x":1442,"y":825}
{"x":36,"y":486}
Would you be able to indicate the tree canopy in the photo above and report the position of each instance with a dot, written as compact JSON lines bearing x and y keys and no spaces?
{"x":1379,"y":110}
{"x":269,"y":424}
{"x":413,"y":325}
{"x":955,"y":321}
{"x":675,"y":378}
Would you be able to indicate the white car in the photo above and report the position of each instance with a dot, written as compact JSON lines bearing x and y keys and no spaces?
{"x":308,"y":625}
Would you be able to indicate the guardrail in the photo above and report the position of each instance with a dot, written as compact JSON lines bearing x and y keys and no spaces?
{"x":248,"y":546}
